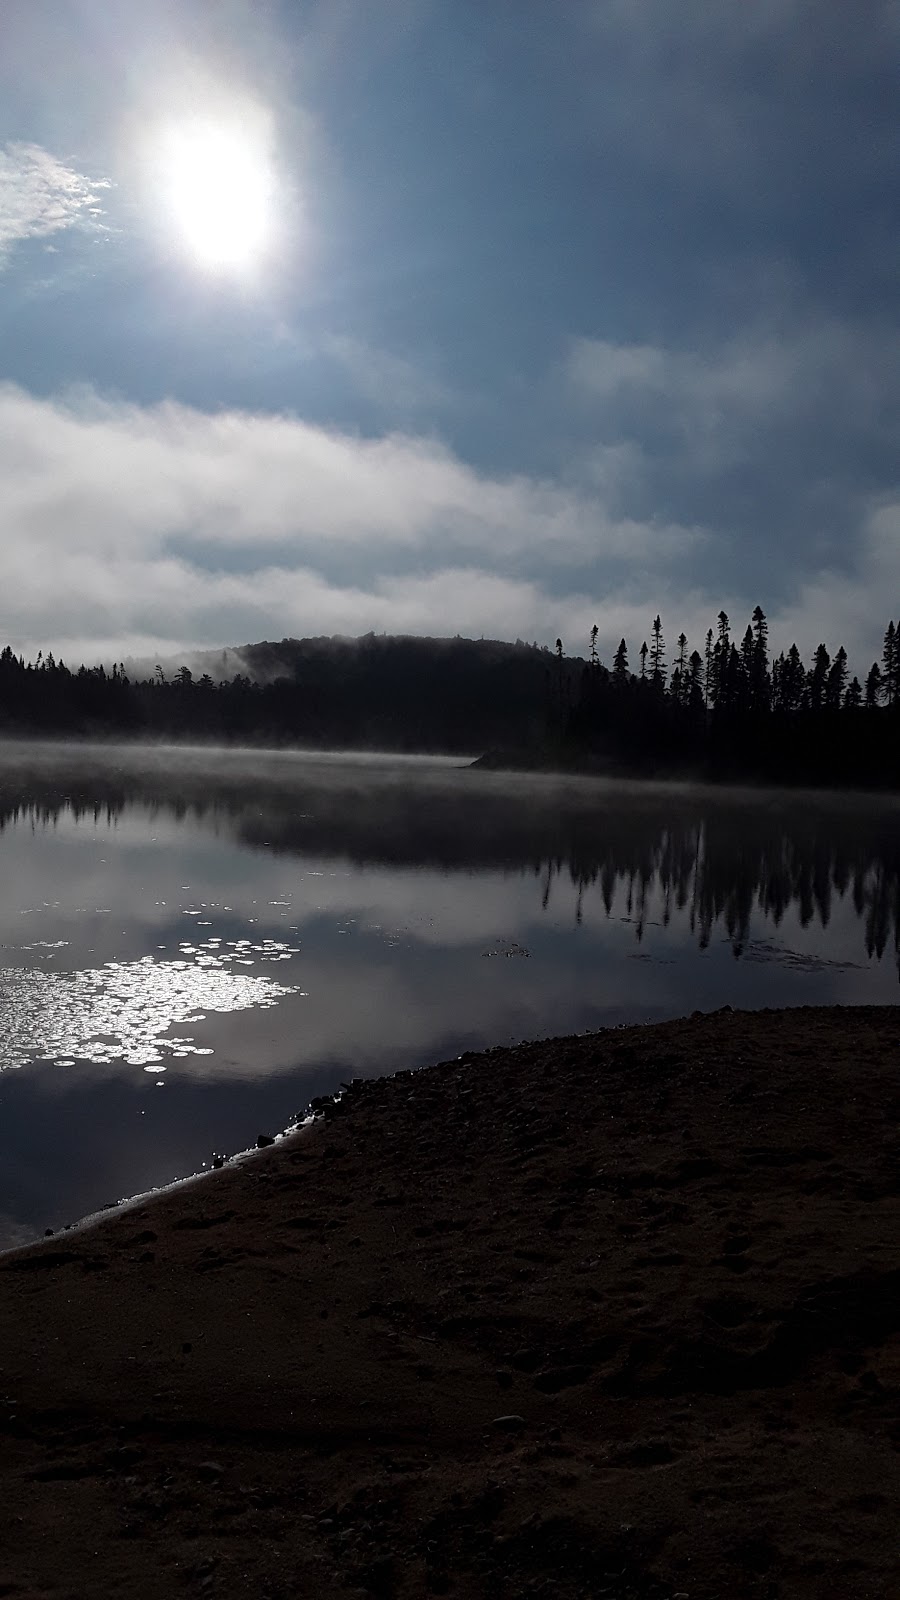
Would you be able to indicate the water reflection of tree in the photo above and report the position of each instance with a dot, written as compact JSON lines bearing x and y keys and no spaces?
{"x":716,"y":859}
{"x":722,"y":867}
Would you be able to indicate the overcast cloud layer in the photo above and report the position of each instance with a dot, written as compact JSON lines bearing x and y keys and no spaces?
{"x":574,"y":316}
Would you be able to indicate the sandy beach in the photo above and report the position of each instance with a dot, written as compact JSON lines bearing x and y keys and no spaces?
{"x":613,"y":1315}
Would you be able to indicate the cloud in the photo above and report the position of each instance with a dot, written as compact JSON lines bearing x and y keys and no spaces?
{"x":129,"y":530}
{"x":235,"y":486}
{"x":781,"y":436}
{"x":40,"y":196}
{"x":853,"y":611}
{"x":769,"y":377}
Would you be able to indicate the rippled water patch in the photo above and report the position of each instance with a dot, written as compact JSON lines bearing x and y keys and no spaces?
{"x":123,"y":1010}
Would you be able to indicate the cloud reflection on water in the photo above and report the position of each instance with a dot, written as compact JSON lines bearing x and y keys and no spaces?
{"x":399,"y":881}
{"x":265,"y":927}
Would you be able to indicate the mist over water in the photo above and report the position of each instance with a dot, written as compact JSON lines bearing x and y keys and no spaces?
{"x":193,"y":943}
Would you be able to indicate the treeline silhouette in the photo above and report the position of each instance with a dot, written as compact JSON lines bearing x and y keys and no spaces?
{"x":735,"y":866}
{"x":378,"y":692}
{"x":730,"y":710}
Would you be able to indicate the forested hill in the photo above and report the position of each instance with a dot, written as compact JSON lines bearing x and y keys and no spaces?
{"x":733,"y":711}
{"x":459,"y":696}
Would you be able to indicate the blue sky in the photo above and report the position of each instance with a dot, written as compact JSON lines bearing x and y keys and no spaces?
{"x":555,"y":314}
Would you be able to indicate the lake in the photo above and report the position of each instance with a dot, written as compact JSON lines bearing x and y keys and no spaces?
{"x":195,"y":943}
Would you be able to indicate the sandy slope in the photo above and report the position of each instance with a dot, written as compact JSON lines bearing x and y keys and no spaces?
{"x":606,"y":1316}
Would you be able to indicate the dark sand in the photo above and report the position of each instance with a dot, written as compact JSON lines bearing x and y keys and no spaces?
{"x":607,"y":1316}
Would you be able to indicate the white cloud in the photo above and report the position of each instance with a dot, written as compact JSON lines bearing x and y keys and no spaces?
{"x":88,"y":610}
{"x":144,"y":531}
{"x":117,"y":474}
{"x":40,"y":195}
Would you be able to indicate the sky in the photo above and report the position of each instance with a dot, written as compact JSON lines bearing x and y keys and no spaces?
{"x":447,"y":316}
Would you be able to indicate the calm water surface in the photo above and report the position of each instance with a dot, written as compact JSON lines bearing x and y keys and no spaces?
{"x":193,"y":943}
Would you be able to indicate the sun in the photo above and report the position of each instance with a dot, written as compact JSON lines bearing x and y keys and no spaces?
{"x":217,"y":187}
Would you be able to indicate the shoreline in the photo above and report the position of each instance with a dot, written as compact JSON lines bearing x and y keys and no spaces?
{"x":47,"y":753}
{"x":619,"y":1312}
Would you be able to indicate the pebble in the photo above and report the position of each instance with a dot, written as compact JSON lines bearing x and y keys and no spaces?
{"x":511,"y":1422}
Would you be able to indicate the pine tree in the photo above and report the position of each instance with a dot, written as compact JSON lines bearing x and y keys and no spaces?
{"x":742,"y":673}
{"x":760,"y":685}
{"x":853,"y":695}
{"x":792,"y":682}
{"x":748,"y":650}
{"x":643,"y":656}
{"x":818,"y":677}
{"x":890,"y":665}
{"x":873,"y":686}
{"x":681,"y":693}
{"x":734,"y":678}
{"x":722,"y":651}
{"x":716,"y":675}
{"x":777,"y":677}
{"x":558,"y":710}
{"x":620,"y":665}
{"x":836,"y":681}
{"x":695,"y":696}
{"x":657,"y":655}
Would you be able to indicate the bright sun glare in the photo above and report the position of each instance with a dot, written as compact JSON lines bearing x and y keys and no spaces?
{"x":217,"y":184}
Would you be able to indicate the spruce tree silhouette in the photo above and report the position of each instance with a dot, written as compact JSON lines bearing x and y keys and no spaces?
{"x":837,"y":681}
{"x":873,"y":686}
{"x":760,"y":689}
{"x":657,"y":656}
{"x":890,"y":665}
{"x":817,"y":678}
{"x":721,"y":656}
